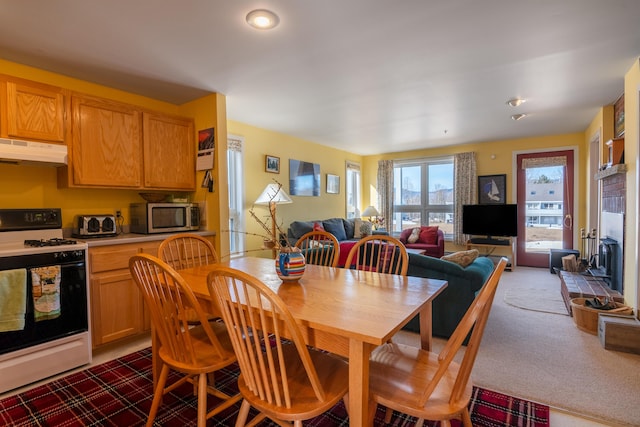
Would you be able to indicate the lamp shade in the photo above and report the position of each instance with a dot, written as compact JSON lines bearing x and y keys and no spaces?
{"x":370,"y":211}
{"x":273,"y":193}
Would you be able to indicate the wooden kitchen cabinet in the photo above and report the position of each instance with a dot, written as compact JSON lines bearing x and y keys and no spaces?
{"x":32,"y":110}
{"x":117,"y":306}
{"x":106,"y":144}
{"x":118,"y":145}
{"x":169,"y":152}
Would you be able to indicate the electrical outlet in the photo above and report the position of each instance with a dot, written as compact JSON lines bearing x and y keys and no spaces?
{"x":118,"y":214}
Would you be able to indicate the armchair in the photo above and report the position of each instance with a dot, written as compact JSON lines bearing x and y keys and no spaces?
{"x":433,"y":246}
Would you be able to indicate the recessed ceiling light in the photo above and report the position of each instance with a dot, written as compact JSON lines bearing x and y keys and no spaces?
{"x":262,"y":19}
{"x":517,"y":117}
{"x":515,"y":102}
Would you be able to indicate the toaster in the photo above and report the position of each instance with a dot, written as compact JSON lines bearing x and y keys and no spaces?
{"x":94,"y":226}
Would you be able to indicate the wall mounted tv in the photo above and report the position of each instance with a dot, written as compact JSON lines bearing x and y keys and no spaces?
{"x":490,"y":220}
{"x":304,"y":178}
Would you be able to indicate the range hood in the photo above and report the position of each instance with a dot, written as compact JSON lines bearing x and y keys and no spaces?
{"x":15,"y":151}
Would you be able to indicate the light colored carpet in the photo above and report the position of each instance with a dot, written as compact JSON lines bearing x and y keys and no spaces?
{"x":537,"y":295}
{"x":543,"y":357}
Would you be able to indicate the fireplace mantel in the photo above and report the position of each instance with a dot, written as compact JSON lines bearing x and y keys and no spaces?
{"x":615,"y":169}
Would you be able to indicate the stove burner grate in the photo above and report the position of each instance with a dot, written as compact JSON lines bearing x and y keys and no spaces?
{"x":49,"y":242}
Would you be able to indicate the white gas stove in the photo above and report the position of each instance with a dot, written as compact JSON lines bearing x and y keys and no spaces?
{"x":47,"y":331}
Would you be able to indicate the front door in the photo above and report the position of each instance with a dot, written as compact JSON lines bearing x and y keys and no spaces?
{"x":545,"y":205}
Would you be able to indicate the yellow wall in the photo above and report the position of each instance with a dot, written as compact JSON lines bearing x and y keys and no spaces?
{"x":260,"y":142}
{"x":207,"y":112}
{"x":631,"y":138}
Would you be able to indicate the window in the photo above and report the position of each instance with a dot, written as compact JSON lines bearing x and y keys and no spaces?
{"x":236,"y":194}
{"x":353,"y":190}
{"x":423,"y":194}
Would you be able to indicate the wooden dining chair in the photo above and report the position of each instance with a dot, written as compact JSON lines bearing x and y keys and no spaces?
{"x":194,"y":351}
{"x":320,"y":248}
{"x":186,"y":250}
{"x":379,"y":253}
{"x":428,"y":385}
{"x":283,"y":379}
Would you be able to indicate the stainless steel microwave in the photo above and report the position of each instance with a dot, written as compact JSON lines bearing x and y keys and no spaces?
{"x":149,"y":218}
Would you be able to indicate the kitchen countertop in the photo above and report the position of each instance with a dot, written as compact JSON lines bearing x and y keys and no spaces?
{"x":123,"y":238}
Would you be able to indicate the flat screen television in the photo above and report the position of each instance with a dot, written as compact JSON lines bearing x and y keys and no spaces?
{"x":490,"y":220}
{"x":304,"y":178}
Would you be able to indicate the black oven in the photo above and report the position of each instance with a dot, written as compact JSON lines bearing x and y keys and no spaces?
{"x":63,"y":312}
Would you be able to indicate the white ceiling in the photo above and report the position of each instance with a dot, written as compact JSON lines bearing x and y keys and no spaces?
{"x":367,"y":76}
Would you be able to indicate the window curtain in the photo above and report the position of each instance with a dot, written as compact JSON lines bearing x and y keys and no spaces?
{"x":541,"y":162}
{"x":466,"y":187}
{"x":385,"y":191}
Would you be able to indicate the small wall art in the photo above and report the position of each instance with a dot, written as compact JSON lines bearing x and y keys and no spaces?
{"x":492,"y":189}
{"x":333,"y":184}
{"x":206,"y":149}
{"x":272,"y":164}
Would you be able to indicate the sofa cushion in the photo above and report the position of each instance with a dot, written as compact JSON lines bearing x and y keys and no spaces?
{"x":349,"y":228}
{"x":462,"y":258}
{"x":414,"y":236}
{"x":300,"y":228}
{"x":335,"y":226}
{"x":428,"y":235}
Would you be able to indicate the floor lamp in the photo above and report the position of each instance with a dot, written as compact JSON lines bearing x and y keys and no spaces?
{"x":273,"y":195}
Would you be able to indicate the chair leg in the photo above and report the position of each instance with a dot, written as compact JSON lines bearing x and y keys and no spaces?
{"x":388,"y":413}
{"x":157,"y":395}
{"x":202,"y":400}
{"x":420,"y":423}
{"x":243,"y":413}
{"x":466,"y":418}
{"x":373,"y":406}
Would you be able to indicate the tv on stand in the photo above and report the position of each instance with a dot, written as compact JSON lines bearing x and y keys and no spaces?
{"x":497,"y":223}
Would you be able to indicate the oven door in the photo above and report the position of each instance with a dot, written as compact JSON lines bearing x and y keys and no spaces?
{"x":50,"y":312}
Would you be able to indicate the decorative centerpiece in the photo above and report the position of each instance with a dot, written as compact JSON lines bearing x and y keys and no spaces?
{"x":289,"y":261}
{"x":290,"y":264}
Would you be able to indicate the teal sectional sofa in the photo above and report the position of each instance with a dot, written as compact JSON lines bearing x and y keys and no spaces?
{"x":464,"y":282}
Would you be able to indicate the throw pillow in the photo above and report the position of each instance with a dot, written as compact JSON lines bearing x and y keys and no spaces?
{"x":317,"y":226}
{"x":365,"y":228}
{"x":357,"y":233}
{"x":335,"y":226}
{"x":414,"y":236}
{"x":404,"y":234}
{"x":462,"y":258}
{"x":429,"y":235}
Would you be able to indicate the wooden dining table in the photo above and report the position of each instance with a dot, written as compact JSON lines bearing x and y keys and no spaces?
{"x":343,"y":311}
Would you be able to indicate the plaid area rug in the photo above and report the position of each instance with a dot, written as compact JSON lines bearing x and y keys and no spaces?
{"x":119,"y":393}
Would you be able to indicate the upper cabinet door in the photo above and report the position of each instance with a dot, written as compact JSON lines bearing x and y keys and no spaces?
{"x":169,"y":152}
{"x":35,"y":111}
{"x":106,"y":145}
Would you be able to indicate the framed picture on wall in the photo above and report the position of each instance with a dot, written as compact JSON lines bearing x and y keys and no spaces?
{"x":272,"y":164}
{"x":333,"y":184}
{"x":492,"y":189}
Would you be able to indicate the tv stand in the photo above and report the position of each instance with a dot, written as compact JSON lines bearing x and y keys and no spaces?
{"x":489,"y":244}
